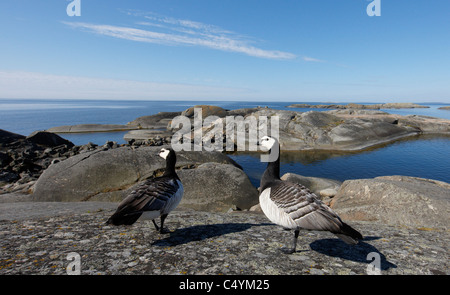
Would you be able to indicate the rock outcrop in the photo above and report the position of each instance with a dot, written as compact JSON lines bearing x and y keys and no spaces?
{"x":23,"y":159}
{"x":157,"y":121}
{"x":37,"y":238}
{"x":207,"y":110}
{"x":110,"y":175}
{"x":329,"y":131}
{"x":48,"y":139}
{"x":395,"y":200}
{"x":341,"y":129}
{"x":7,"y":137}
{"x":217,"y":187}
{"x":149,"y":137}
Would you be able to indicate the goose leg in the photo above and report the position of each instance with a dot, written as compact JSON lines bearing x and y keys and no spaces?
{"x":294,"y":246}
{"x":162,"y":230}
{"x":156,"y":226}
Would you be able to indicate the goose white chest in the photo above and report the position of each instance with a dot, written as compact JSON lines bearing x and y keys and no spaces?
{"x":173,"y":201}
{"x":274,"y":213}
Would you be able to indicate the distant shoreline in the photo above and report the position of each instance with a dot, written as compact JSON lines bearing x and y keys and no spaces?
{"x":378,"y":106}
{"x":91,"y":120}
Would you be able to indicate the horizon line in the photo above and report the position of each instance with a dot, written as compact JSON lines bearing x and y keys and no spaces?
{"x":325,"y":102}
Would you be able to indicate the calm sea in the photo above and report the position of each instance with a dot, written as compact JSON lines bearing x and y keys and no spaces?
{"x":423,"y":156}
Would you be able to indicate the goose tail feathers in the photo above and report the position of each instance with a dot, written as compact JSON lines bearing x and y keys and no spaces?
{"x":349,"y":235}
{"x":121,"y":219}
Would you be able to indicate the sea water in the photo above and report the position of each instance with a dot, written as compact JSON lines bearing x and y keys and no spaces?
{"x":422,"y":156}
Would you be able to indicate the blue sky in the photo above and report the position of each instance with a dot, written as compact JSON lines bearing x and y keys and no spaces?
{"x":303,"y":50}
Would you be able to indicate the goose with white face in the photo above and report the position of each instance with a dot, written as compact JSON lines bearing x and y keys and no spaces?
{"x":164,"y":153}
{"x":267,"y":142}
{"x":293,"y":206}
{"x":152,"y":198}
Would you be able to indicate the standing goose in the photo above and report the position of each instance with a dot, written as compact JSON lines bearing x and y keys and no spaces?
{"x":293,"y":206}
{"x":153,"y":198}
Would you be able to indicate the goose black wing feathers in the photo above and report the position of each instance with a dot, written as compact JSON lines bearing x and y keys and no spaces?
{"x":151,"y":195}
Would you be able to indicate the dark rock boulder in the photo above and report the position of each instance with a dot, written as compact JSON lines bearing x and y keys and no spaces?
{"x":8,"y":177}
{"x":8,"y":137}
{"x":48,"y":139}
{"x":5,"y":159}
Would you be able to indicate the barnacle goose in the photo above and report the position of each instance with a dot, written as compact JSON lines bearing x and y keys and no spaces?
{"x":153,"y":198}
{"x":293,"y":206}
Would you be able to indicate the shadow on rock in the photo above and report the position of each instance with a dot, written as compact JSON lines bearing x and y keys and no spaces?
{"x":357,"y":253}
{"x":201,"y":232}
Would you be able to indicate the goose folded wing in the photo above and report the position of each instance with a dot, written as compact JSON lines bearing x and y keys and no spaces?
{"x":151,"y":195}
{"x":304,"y":207}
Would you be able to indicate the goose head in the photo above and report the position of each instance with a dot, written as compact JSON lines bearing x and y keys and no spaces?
{"x":267,"y":142}
{"x":164,"y":153}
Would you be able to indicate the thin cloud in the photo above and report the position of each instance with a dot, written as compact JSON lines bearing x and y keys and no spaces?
{"x":179,"y":32}
{"x":18,"y":84}
{"x":311,"y":59}
{"x":198,"y":26}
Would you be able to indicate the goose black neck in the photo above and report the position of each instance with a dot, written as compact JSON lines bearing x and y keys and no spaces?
{"x":171,"y":160}
{"x":272,"y":172}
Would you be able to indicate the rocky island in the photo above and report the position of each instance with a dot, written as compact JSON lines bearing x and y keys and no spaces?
{"x":343,"y":130}
{"x":55,"y":198}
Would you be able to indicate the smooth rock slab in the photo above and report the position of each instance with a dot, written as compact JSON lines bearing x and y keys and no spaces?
{"x":209,"y":243}
{"x":104,"y":175}
{"x":395,"y":200}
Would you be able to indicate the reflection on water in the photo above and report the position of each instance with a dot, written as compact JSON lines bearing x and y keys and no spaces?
{"x":425,"y":156}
